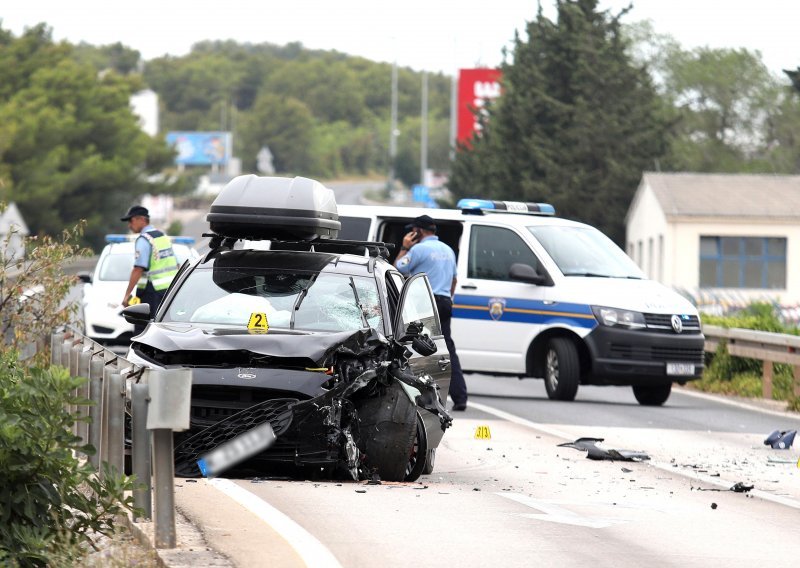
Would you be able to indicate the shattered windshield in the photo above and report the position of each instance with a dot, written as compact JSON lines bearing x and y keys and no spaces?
{"x":310,"y":301}
{"x":585,"y":251}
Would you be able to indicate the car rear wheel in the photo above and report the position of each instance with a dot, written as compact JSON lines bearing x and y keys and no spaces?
{"x":562,"y":369}
{"x":387,"y":430}
{"x":652,"y":395}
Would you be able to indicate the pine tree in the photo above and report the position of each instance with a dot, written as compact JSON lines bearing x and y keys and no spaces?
{"x":576,"y":126}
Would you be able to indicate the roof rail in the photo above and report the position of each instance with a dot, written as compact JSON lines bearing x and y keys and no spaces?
{"x":338,"y":246}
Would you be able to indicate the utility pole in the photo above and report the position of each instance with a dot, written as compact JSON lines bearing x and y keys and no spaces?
{"x":393,"y":130}
{"x":423,"y":144}
{"x":453,"y":116}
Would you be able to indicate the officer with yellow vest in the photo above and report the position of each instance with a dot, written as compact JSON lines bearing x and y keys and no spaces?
{"x":155,"y":264}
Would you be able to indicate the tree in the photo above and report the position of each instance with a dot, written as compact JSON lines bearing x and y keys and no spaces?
{"x":72,"y":148}
{"x":576,"y":125}
{"x":286,"y":126}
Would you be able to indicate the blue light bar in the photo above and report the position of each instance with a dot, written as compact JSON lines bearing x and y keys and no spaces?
{"x":507,"y":206}
{"x":118,"y":238}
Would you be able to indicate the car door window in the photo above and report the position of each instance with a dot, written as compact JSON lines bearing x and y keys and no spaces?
{"x":492,"y":251}
{"x":418,"y":305}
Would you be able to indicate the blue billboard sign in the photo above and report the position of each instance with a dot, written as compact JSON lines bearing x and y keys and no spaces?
{"x":201,"y":148}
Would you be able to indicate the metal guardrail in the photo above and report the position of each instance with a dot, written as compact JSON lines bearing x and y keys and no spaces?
{"x":765,"y":346}
{"x":157,"y":402}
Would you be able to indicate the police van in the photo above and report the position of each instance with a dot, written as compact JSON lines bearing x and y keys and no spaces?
{"x":546,"y":297}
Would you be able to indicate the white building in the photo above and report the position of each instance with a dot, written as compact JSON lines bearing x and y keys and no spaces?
{"x":145,"y":105}
{"x":13,"y":231}
{"x":724,"y":239}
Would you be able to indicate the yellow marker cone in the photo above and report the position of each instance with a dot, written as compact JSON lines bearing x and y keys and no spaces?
{"x":483,"y":433}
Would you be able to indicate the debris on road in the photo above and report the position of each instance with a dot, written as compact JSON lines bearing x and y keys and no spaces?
{"x":740,"y":487}
{"x":780,"y":440}
{"x":713,"y":505}
{"x":596,"y":452}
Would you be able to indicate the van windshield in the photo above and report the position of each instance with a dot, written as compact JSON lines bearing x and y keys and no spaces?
{"x":585,"y":251}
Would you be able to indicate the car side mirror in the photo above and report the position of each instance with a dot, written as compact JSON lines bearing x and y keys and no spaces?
{"x":85,"y":277}
{"x":526,"y":273}
{"x":421,"y":343}
{"x":138,"y":313}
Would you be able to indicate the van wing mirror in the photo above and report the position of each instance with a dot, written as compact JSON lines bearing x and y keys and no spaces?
{"x":526,"y":273}
{"x":137,"y":313}
{"x":85,"y":277}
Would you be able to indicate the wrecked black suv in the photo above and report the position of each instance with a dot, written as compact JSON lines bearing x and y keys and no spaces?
{"x":320,"y":338}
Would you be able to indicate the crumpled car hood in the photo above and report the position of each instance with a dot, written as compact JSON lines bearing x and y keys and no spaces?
{"x":315,"y":346}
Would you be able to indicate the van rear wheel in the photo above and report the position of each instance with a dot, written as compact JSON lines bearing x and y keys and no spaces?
{"x":652,"y":395}
{"x":562,"y":369}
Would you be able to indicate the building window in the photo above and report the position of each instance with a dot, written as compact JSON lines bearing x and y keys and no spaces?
{"x":743,"y":262}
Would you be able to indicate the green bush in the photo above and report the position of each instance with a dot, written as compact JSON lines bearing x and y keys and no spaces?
{"x":52,"y":505}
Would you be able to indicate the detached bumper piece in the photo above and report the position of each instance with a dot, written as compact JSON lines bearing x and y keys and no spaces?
{"x":275,"y":411}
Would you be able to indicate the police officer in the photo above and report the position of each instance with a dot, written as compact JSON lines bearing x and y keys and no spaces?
{"x":422,"y":251}
{"x":155,"y":263}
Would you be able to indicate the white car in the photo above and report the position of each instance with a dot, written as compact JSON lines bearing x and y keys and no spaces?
{"x":103,"y":288}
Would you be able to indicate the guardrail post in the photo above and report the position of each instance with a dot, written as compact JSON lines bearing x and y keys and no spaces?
{"x":170,"y":394}
{"x":55,"y":347}
{"x":96,"y":410}
{"x":140,"y":449}
{"x":84,"y":358}
{"x":116,"y":422}
{"x":766,"y":380}
{"x":74,"y":356}
{"x":796,"y":375}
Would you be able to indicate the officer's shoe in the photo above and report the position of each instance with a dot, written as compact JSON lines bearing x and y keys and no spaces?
{"x":460,"y":406}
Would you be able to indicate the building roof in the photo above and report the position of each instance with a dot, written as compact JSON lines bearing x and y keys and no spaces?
{"x":725,"y":195}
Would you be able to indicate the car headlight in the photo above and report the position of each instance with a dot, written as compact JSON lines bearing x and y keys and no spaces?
{"x":614,"y":317}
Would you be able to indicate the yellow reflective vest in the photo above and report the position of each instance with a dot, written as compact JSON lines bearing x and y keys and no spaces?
{"x":163,"y":262}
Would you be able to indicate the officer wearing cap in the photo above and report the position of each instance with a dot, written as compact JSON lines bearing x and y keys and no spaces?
{"x":422,"y":251}
{"x":154,"y":265}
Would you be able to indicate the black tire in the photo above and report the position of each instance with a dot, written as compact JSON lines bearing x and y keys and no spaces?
{"x":429,"y":462}
{"x":652,"y":395}
{"x":387,"y":429}
{"x":419,"y":452}
{"x":562,"y":369}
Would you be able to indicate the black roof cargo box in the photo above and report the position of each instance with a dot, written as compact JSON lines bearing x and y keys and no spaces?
{"x":253,"y":207}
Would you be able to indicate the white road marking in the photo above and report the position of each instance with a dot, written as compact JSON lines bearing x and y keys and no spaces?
{"x":555,"y":513}
{"x":311,"y":551}
{"x":787,"y":501}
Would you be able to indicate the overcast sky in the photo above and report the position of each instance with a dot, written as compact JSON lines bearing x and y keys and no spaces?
{"x":437,"y":35}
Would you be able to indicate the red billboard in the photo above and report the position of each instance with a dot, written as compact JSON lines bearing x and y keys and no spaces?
{"x":475,"y":88}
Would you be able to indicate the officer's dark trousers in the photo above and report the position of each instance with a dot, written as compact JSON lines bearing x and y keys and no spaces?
{"x":458,"y":388}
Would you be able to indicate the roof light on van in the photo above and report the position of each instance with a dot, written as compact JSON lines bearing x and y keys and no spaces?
{"x":120,"y":238}
{"x":507,"y":206}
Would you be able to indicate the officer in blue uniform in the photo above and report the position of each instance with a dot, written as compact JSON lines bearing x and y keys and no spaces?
{"x":422,"y":251}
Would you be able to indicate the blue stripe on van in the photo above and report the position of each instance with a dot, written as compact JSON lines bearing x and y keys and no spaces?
{"x":524,"y":311}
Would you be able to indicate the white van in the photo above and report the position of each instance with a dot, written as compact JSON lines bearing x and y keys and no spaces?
{"x":539,"y":296}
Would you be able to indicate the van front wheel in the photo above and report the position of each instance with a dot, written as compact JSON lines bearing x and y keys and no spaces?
{"x":561,"y":369}
{"x":652,"y":395}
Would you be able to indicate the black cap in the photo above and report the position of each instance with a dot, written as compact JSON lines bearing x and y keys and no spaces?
{"x":422,"y":222}
{"x":135,"y":211}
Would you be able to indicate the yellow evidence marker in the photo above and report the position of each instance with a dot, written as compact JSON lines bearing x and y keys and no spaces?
{"x":482,"y":433}
{"x":134,"y":300}
{"x":258,"y":323}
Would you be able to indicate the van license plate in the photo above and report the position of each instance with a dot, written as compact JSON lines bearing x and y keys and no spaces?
{"x":680,"y":369}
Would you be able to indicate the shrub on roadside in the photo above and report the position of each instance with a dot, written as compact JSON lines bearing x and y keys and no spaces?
{"x":741,"y":376}
{"x":51,"y":504}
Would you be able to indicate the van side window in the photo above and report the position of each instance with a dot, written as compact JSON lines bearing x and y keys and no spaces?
{"x":492,"y":251}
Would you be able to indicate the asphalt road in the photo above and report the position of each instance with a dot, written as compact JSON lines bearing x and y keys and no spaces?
{"x":521,"y":500}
